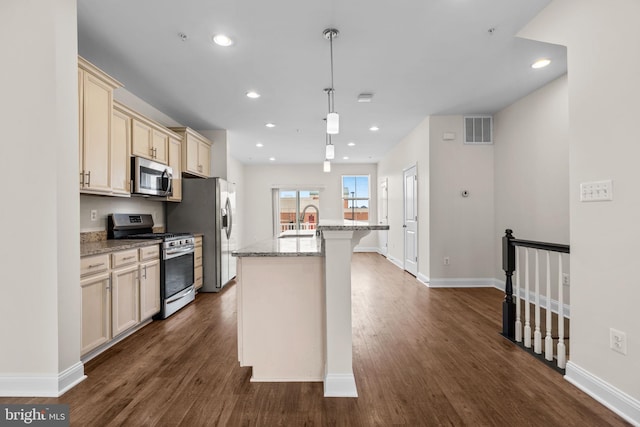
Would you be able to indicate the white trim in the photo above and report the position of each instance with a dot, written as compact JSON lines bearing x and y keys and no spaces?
{"x":382,"y":251}
{"x":41,"y":385}
{"x":462,"y":283}
{"x":366,"y":249}
{"x":423,"y":279}
{"x":340,"y":385}
{"x":616,"y":400}
{"x":395,"y":261}
{"x":298,"y":187}
{"x":499,"y":284}
{"x":285,"y":380}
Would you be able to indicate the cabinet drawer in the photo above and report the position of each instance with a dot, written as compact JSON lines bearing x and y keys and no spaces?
{"x":197,"y":256}
{"x":149,"y":253}
{"x":94,"y":264}
{"x":119,"y":259}
{"x":197,"y":277}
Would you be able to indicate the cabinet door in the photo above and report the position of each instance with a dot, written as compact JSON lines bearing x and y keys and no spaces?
{"x":96,"y":312}
{"x":80,"y":128}
{"x":120,"y":143}
{"x":159,"y":145}
{"x":96,"y":128}
{"x":125,"y":299}
{"x":149,"y":289}
{"x":191,"y":157}
{"x":141,"y":140}
{"x":175,"y":161}
{"x":204,"y":159}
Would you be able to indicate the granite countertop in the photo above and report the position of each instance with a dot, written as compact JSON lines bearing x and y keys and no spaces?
{"x":106,"y":246}
{"x":345,"y":225}
{"x":283,"y":247}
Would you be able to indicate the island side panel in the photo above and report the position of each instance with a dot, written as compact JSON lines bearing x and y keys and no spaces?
{"x":281,"y":324}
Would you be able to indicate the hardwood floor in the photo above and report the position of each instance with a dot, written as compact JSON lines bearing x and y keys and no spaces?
{"x":422,"y":357}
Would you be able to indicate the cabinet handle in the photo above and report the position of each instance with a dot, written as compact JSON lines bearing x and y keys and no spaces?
{"x":96,"y":265}
{"x":128,"y":257}
{"x":89,"y":179}
{"x":82,"y":178}
{"x":109,"y":285}
{"x":145,"y":272}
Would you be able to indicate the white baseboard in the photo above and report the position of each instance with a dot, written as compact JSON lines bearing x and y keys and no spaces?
{"x":423,"y":279}
{"x":42,"y":385}
{"x":382,"y":251}
{"x":340,"y":385}
{"x":462,"y":283}
{"x":365,"y":249}
{"x":616,"y":400}
{"x":285,"y":380}
{"x":499,"y":284}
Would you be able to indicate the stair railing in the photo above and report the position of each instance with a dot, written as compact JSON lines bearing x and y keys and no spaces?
{"x":512,"y":327}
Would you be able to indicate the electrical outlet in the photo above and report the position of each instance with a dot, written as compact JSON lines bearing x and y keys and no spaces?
{"x":565,"y":279}
{"x":618,"y":341}
{"x":94,"y":215}
{"x":446,"y":261}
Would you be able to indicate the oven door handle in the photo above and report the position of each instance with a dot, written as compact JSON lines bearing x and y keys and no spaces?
{"x":180,"y":295}
{"x":173,"y":253}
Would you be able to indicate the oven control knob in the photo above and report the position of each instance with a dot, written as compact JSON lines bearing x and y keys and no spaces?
{"x":172,"y":244}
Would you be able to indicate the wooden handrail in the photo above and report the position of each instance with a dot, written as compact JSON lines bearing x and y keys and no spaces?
{"x":552,"y":247}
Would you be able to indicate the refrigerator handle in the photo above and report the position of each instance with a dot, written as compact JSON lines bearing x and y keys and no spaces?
{"x":229,"y":221}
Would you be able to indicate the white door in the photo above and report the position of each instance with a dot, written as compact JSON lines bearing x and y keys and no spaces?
{"x":383,"y":217}
{"x":410,"y":223}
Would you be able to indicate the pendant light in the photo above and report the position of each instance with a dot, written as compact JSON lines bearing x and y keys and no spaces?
{"x":330,"y":149}
{"x":333,"y":120}
{"x":326,"y":167}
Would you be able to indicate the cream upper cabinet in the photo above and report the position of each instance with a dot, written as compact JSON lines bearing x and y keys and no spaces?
{"x":196,"y":152}
{"x":149,"y":141}
{"x":120,"y":145}
{"x":95,"y":114}
{"x":175,"y":162}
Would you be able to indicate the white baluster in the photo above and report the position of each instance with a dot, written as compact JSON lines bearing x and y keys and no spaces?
{"x":562,"y":351}
{"x":518,"y":309}
{"x":527,"y":313}
{"x":548,"y":340}
{"x":537,"y":335}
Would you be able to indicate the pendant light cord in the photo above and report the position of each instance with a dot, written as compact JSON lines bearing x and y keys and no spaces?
{"x":331,"y":100}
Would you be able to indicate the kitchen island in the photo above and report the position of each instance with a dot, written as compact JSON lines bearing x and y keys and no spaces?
{"x":294,"y":307}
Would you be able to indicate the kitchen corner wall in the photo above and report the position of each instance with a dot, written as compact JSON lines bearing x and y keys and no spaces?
{"x":105,"y":205}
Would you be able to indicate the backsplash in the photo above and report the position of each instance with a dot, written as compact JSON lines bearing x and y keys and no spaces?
{"x":104,"y":205}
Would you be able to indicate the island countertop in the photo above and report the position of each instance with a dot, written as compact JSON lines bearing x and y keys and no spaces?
{"x":282,"y":247}
{"x":348,"y":225}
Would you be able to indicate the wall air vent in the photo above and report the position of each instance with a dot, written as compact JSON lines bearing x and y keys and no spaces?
{"x":478,"y":130}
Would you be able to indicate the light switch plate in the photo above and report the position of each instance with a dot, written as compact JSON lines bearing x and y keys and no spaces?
{"x":596,"y":191}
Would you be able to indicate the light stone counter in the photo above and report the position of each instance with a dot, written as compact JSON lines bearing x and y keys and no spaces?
{"x":106,"y":246}
{"x":283,"y":247}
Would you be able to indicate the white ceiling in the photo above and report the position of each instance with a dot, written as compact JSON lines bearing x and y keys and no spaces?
{"x":418,"y":58}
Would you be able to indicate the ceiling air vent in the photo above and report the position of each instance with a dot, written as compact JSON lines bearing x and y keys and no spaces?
{"x":478,"y":130}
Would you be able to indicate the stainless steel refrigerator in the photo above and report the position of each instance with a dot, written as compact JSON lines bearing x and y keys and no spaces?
{"x":208,"y":206}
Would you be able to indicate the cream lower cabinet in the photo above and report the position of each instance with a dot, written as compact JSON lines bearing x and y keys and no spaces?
{"x":125,"y":291}
{"x":95,"y":285}
{"x":149,"y":282}
{"x":197,"y":263}
{"x":119,"y":291}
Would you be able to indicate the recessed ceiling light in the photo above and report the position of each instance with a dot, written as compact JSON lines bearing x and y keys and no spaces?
{"x":365,"y":97}
{"x":222,"y":40}
{"x":374,"y":128}
{"x":345,"y":158}
{"x":259,"y":145}
{"x":253,"y":95}
{"x":273,"y":159}
{"x":270,"y":125}
{"x":541,"y":63}
{"x":351,"y":144}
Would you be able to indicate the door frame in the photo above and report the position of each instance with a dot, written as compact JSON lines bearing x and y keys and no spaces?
{"x":404,"y":216}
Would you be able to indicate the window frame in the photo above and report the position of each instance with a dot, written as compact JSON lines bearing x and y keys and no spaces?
{"x":353,"y":199}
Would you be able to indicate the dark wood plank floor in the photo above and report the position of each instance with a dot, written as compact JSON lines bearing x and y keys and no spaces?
{"x":431,"y":357}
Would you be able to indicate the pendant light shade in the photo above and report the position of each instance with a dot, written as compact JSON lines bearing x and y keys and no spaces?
{"x":330,"y":152}
{"x":333,"y":123}
{"x":326,"y":167}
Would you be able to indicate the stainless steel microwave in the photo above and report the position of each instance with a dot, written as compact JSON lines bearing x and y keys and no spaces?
{"x":150,"y":178}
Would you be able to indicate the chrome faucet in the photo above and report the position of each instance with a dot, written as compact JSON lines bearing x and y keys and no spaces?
{"x":304,"y":211}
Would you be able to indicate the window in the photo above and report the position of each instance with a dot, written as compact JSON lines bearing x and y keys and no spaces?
{"x":355,"y":197}
{"x":296,"y":210}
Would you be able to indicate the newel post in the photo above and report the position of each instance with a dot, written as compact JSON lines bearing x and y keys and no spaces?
{"x":508,"y":305}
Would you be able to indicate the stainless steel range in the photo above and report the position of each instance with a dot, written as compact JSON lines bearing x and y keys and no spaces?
{"x":176,"y":265}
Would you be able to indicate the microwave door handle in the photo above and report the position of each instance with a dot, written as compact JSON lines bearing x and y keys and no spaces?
{"x":167,"y":190}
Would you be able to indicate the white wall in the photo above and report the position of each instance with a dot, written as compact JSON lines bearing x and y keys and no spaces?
{"x":412,"y":150}
{"x":461,"y":228}
{"x":259,"y":180}
{"x":235,"y":174}
{"x":220,"y":155}
{"x":40,"y":304}
{"x":604,"y":89}
{"x":105,"y":205}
